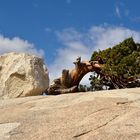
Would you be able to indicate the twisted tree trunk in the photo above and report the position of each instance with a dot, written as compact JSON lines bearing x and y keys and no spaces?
{"x":69,"y":81}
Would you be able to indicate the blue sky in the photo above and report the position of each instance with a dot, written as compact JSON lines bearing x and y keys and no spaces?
{"x":61,"y":30}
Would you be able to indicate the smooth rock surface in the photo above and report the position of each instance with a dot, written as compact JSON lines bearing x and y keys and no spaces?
{"x":22,"y":75}
{"x":103,"y":115}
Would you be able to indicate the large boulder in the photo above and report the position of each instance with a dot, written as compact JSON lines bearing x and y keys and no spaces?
{"x":22,"y":75}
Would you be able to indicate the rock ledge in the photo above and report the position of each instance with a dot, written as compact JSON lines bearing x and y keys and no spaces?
{"x":104,"y":115}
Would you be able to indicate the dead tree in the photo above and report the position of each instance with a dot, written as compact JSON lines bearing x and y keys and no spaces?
{"x":70,"y":79}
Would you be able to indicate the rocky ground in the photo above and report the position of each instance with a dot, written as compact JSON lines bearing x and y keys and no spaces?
{"x":103,"y":115}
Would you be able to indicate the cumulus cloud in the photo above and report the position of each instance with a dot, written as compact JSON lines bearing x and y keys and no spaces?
{"x":104,"y":37}
{"x":82,"y":44}
{"x":17,"y":44}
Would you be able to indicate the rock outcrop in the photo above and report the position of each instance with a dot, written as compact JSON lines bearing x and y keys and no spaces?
{"x":102,"y":115}
{"x":22,"y":75}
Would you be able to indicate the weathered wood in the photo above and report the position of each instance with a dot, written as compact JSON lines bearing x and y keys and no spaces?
{"x":69,"y":81}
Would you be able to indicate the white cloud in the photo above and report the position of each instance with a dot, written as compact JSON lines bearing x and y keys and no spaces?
{"x":73,"y":47}
{"x":104,"y":37}
{"x":18,"y":45}
{"x":121,"y":10}
{"x":117,"y":10}
{"x":84,"y":43}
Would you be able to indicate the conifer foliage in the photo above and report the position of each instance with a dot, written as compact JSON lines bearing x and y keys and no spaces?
{"x":121,"y":65}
